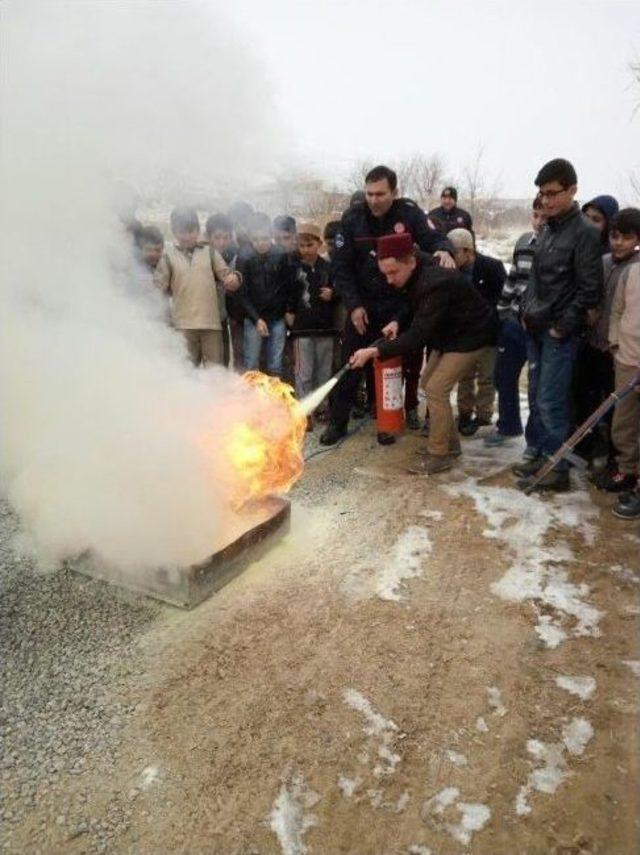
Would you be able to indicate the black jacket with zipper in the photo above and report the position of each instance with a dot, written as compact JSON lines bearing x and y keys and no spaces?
{"x":449,"y":314}
{"x":566,"y":276}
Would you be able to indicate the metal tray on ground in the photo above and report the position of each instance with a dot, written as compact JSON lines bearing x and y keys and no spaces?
{"x":268,"y":521}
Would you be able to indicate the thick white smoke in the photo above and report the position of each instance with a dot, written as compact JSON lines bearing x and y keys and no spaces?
{"x":100,"y":412}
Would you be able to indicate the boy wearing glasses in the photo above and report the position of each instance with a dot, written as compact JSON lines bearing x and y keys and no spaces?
{"x":566,"y":281}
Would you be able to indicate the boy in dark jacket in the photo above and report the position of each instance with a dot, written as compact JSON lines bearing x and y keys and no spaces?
{"x":451,"y":318}
{"x":312,"y":326}
{"x":266,"y":296}
{"x":566,"y":283}
{"x":476,"y":392}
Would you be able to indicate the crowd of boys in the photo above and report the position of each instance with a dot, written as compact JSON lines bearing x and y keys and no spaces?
{"x":388,"y":279}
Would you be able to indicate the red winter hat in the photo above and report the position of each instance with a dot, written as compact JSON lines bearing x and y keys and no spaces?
{"x":395,"y":246}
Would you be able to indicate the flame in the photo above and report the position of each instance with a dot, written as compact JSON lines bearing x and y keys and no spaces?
{"x":266,"y":449}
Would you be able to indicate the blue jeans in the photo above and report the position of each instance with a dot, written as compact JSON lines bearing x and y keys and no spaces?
{"x":510,"y":360}
{"x":551,"y":362}
{"x":274,"y":343}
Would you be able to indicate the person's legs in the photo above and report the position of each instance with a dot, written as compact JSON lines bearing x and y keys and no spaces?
{"x":212,"y":344}
{"x":252,"y":346}
{"x":442,"y":373}
{"x":237,"y":343}
{"x":466,"y":397}
{"x":625,"y":430}
{"x":303,"y":359}
{"x":275,"y":347}
{"x":486,"y":394}
{"x":510,"y":358}
{"x":534,"y":430}
{"x":343,"y":396}
{"x":554,"y":391}
{"x":411,"y":368}
{"x":323,"y":359}
{"x":194,"y":348}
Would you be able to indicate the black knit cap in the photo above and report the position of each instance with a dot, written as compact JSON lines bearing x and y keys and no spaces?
{"x":450,"y":191}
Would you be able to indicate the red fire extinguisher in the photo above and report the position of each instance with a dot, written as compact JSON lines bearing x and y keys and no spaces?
{"x":389,"y":395}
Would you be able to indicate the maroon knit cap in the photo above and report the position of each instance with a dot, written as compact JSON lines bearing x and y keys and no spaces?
{"x":395,"y":246}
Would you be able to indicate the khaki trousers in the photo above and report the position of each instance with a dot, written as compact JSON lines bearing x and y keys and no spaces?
{"x":479,"y":401}
{"x":625,"y":429}
{"x":205,"y":347}
{"x":442,"y":372}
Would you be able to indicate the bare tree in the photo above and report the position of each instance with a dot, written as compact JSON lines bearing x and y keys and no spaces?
{"x":359,"y":173}
{"x":428,"y":176}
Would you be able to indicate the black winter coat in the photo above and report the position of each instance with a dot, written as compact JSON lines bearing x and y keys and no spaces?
{"x":358,"y":280}
{"x":267,"y":289}
{"x":566,"y":277}
{"x":489,"y":277}
{"x":456,"y":218}
{"x":312,"y":313}
{"x":449,"y":314}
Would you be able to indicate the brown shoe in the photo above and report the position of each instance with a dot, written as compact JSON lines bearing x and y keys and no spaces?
{"x":431,"y":465}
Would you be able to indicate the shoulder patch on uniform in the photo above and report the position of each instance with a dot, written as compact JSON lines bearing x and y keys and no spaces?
{"x":339,"y":240}
{"x":399,"y":228}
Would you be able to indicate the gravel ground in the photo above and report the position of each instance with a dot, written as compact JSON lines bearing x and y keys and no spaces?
{"x":68,"y":653}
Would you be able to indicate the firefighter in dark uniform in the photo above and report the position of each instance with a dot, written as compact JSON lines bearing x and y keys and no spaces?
{"x":369,"y":301}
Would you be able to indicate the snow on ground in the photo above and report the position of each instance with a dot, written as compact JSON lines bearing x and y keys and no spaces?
{"x":552,"y":769}
{"x":583,"y":687}
{"x":405,"y":561}
{"x":383,"y":733}
{"x":494,"y":696}
{"x":522,"y":523}
{"x":634,"y":665}
{"x":445,"y":806}
{"x":288,"y":819}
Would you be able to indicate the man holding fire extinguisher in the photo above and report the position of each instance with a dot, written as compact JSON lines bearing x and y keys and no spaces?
{"x":450,"y":317}
{"x":371,"y":304}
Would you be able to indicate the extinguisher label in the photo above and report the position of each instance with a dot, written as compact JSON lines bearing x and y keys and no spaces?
{"x":392,"y":388}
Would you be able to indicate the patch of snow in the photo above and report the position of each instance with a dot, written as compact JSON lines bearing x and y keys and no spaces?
{"x":549,"y":631}
{"x":405,"y":561}
{"x":522,"y":523}
{"x":583,"y":687}
{"x":625,"y":574}
{"x":376,"y":724}
{"x":402,"y":802}
{"x":632,"y":610}
{"x":547,"y":777}
{"x":389,"y":761}
{"x":481,"y":725}
{"x":288,"y":819}
{"x":348,"y":786}
{"x":436,"y":516}
{"x":576,"y":735}
{"x":634,"y":664}
{"x":633,"y":538}
{"x":494,"y":696}
{"x":418,"y":849}
{"x":474,"y":818}
{"x":375,"y":797}
{"x":456,"y":758}
{"x":149,"y":776}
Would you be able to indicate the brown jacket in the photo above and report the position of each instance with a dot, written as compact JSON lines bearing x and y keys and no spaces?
{"x":193,"y":281}
{"x":624,"y":328}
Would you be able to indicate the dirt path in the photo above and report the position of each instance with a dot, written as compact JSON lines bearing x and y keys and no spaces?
{"x":322,"y":704}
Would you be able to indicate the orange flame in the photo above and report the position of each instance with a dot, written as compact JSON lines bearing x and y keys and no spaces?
{"x":266,"y":450}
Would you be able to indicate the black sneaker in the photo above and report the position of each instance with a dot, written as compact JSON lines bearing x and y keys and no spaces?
{"x":465,"y":421}
{"x":332,"y":434}
{"x":386,"y":438}
{"x":628,"y":506}
{"x":615,"y":482}
{"x":471,"y":427}
{"x":358,"y":412}
{"x":556,"y":481}
{"x":412,"y":420}
{"x":527,"y":467}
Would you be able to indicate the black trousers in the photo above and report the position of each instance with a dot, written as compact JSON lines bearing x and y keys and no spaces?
{"x":593,"y":381}
{"x":344,"y":395}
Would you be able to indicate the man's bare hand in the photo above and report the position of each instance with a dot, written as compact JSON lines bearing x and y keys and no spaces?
{"x":391,"y":330}
{"x":326,"y":294}
{"x":445,"y":258}
{"x":231,"y":282}
{"x":360,"y":320}
{"x":593,"y":316}
{"x":361,"y":357}
{"x":262,"y":328}
{"x":553,"y":332}
{"x":289,"y":319}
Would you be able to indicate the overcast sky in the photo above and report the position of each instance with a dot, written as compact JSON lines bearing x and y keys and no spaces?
{"x":378,"y":79}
